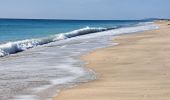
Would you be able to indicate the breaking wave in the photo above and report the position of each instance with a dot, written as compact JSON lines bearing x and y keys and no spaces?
{"x":18,"y":46}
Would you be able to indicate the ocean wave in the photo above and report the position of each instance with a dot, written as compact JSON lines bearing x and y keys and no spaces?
{"x":18,"y":46}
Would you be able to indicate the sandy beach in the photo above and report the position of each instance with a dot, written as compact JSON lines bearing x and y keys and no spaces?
{"x":136,"y":69}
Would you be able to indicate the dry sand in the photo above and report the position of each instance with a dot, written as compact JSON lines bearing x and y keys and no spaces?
{"x":136,"y":69}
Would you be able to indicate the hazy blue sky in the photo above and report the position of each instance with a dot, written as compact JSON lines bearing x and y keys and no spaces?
{"x":85,"y":9}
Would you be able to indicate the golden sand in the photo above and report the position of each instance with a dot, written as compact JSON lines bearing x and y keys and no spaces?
{"x":136,"y":69}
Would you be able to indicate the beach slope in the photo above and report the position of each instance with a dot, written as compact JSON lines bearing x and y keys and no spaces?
{"x":136,"y":69}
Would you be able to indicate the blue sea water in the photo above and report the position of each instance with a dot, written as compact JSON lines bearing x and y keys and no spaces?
{"x":53,"y":62}
{"x":20,"y":29}
{"x":18,"y":35}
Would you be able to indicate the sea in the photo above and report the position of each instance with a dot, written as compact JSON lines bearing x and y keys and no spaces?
{"x":39,"y":57}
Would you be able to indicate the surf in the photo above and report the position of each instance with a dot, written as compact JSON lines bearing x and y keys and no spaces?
{"x":18,"y":46}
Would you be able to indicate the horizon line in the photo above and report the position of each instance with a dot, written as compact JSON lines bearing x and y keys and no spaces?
{"x":77,"y":19}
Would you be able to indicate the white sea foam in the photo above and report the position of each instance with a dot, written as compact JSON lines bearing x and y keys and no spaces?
{"x":25,"y":97}
{"x":14,"y":47}
{"x":124,"y":30}
{"x":50,"y":68}
{"x":18,"y":46}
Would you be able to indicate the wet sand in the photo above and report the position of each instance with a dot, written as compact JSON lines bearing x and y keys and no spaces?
{"x":136,"y":69}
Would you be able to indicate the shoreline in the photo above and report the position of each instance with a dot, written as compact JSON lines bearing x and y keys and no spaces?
{"x":55,"y":66}
{"x":113,"y":82}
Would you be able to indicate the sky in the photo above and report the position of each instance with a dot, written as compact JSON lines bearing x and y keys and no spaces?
{"x":85,"y":9}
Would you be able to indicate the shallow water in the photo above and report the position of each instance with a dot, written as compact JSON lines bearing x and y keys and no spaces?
{"x":39,"y":70}
{"x":39,"y":73}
